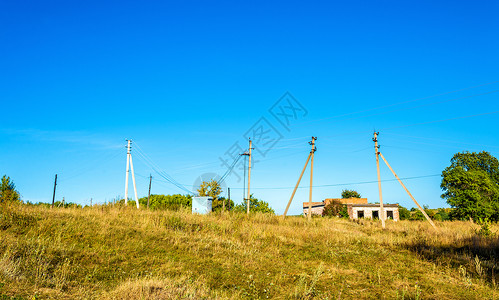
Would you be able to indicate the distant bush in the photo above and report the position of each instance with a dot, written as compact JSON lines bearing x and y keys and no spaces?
{"x":335,"y":209}
{"x":255,"y":206}
{"x":168,"y":202}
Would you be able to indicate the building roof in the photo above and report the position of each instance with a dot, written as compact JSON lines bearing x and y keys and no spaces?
{"x":346,"y":200}
{"x":373,"y":205}
{"x":314,"y":204}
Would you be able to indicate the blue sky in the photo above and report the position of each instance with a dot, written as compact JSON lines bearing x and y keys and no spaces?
{"x":187,"y":80}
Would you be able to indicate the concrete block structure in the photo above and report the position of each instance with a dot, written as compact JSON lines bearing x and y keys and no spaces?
{"x":357,"y":208}
{"x":371,"y":211}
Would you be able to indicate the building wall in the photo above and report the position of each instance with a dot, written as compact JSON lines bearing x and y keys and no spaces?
{"x":368,"y":211}
{"x":346,"y":200}
{"x":315,"y":210}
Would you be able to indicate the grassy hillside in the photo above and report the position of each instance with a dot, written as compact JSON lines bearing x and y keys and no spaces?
{"x":117,"y":253}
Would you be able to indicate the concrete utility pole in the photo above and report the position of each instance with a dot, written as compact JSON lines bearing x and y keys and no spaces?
{"x":249,"y":178}
{"x":310,"y":155}
{"x":129,"y":163}
{"x":53,"y":195}
{"x":228,"y":204}
{"x":409,"y":193}
{"x":127,"y":171}
{"x":381,"y":209}
{"x":311,"y":177}
{"x":149,"y":194}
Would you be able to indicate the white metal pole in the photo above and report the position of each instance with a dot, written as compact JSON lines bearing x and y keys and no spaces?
{"x":127,"y":172}
{"x":249,"y":180}
{"x":133,"y":179}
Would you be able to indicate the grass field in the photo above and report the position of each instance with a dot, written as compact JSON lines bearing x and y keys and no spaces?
{"x":118,"y":253}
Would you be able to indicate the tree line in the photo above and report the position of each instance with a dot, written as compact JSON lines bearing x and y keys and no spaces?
{"x":470,"y":185}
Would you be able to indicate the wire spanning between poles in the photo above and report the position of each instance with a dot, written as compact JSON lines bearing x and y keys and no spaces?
{"x":162,"y":174}
{"x":224,"y":176}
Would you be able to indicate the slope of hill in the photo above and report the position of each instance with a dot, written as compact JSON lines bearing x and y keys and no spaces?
{"x":117,"y":253}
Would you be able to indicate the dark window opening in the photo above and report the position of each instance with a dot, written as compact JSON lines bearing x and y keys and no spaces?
{"x":360,"y":214}
{"x":389,"y":214}
{"x":375,"y":214}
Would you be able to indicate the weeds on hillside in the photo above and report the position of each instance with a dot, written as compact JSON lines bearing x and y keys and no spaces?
{"x":110,"y":252}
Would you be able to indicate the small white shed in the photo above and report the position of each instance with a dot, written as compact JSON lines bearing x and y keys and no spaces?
{"x":201,"y":205}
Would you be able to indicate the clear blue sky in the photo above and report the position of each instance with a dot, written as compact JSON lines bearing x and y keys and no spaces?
{"x":186,"y":81}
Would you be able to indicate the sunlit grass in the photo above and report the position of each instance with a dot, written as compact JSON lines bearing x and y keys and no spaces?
{"x":109,"y":252}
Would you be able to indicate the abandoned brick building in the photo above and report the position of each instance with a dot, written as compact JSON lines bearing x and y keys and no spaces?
{"x":356,"y":207}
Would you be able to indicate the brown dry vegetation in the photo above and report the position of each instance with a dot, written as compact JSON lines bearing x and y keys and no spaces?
{"x":122,"y":253}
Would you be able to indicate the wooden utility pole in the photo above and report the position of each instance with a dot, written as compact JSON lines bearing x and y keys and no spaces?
{"x":149,"y":194}
{"x":53,"y":195}
{"x":310,"y":155}
{"x":410,"y":195}
{"x":381,"y":209}
{"x":249,"y":179}
{"x":311,"y":177}
{"x":296,"y":186}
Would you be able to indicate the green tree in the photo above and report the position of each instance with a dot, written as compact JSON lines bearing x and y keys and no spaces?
{"x":8,"y":191}
{"x":255,"y":206}
{"x":165,"y":202}
{"x":210,"y":189}
{"x":404,"y":213}
{"x":345,"y":194}
{"x":471,"y":186}
{"x":335,"y":209}
{"x":217,"y":205}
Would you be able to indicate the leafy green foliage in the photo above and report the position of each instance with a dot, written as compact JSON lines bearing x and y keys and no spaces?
{"x":404,"y":213}
{"x":335,"y":209}
{"x":471,"y":186}
{"x":169,"y":202}
{"x":8,"y":191}
{"x":210,"y":189}
{"x":217,"y":204}
{"x":345,"y":194}
{"x":255,"y":206}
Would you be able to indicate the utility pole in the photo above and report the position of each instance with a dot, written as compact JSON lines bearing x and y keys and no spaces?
{"x":129,"y":163}
{"x":62,"y":202}
{"x":381,"y":210}
{"x":223,"y":205}
{"x":127,"y":171}
{"x":249,"y":179}
{"x":90,"y":202}
{"x":409,"y":193}
{"x":149,"y":194}
{"x":311,"y":177}
{"x":310,"y":155}
{"x":228,"y":192}
{"x":53,"y":195}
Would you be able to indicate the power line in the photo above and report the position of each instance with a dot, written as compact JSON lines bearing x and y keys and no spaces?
{"x":161,"y":173}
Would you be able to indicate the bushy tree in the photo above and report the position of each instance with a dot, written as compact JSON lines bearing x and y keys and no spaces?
{"x":335,"y":209}
{"x":210,"y":189}
{"x":217,"y":204}
{"x":404,"y":213}
{"x":8,"y":193}
{"x":345,"y":194}
{"x":471,"y":186}
{"x":169,"y":202}
{"x":255,"y":206}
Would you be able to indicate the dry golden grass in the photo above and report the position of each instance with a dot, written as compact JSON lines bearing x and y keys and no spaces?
{"x":121,"y":253}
